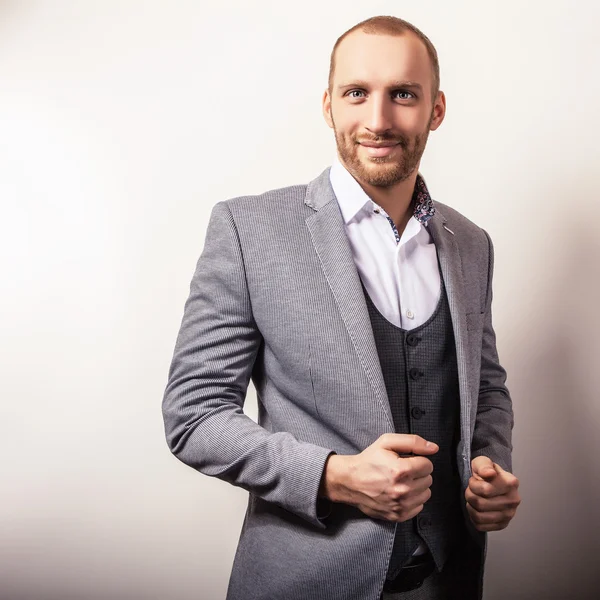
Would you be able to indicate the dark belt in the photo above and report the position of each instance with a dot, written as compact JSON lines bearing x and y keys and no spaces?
{"x":411,"y":576}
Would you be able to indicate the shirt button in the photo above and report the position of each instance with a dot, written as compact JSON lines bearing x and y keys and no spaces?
{"x":410,"y":314}
{"x":376,"y":210}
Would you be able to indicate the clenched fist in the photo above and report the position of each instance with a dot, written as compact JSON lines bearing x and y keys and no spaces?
{"x":492,"y":496}
{"x":382,"y":481}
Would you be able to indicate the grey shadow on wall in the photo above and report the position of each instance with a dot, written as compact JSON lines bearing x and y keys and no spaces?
{"x":552,"y":549}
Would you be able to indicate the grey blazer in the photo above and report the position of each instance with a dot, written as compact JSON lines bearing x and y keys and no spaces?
{"x":276,"y":297}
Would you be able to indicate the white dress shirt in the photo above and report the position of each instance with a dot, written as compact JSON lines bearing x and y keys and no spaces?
{"x":401,"y":277}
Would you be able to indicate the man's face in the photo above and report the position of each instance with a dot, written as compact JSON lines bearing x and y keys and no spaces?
{"x":380,"y":106}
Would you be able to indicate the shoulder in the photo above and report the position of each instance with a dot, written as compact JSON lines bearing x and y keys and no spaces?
{"x":466,"y":231}
{"x":277,"y":201}
{"x":271,"y":218}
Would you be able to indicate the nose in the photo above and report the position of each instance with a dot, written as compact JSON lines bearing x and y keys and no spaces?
{"x":379,"y":118}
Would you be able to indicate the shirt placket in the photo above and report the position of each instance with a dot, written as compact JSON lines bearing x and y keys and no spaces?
{"x":398,"y":252}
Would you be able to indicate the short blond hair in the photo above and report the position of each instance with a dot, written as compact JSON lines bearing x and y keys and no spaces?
{"x":386,"y":25}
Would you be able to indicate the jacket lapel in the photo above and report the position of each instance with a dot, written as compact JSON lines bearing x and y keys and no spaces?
{"x":452,"y":274}
{"x":327,"y":230}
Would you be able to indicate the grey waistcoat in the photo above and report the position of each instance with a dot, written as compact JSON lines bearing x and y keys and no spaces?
{"x":421,"y":377}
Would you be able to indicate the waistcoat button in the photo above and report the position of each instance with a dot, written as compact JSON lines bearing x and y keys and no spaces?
{"x":416,"y":374}
{"x":417,"y":412}
{"x":412,"y":339}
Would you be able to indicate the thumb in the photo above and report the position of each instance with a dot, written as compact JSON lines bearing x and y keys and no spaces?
{"x":483,"y":467}
{"x":403,"y":443}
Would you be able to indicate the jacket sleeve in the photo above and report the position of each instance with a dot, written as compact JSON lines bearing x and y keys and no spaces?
{"x":494,"y":422}
{"x":215,"y":352}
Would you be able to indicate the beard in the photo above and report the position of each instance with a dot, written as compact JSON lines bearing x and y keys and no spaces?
{"x":382,"y":171}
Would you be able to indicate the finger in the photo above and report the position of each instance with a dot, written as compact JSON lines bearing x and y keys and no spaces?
{"x":403,"y":443}
{"x":422,"y":483}
{"x":410,"y":488}
{"x":506,"y":476}
{"x":410,"y":467}
{"x":498,"y":523}
{"x":507,"y":503}
{"x":486,"y":518}
{"x":485,"y":489}
{"x":510,"y":481}
{"x":483,"y":467}
{"x":418,"y":466}
{"x":405,"y":516}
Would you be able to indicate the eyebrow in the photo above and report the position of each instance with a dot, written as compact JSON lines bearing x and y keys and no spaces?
{"x":393,"y":86}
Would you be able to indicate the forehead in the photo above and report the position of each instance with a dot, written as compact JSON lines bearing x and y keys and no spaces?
{"x":378,"y":58}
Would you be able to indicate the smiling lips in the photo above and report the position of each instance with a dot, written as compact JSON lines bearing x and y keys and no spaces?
{"x":374,"y":149}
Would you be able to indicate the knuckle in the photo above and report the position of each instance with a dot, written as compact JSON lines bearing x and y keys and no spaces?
{"x":385,"y":439}
{"x":399,"y":515}
{"x":404,"y":503}
{"x":397,"y":473}
{"x":486,"y":492}
{"x":402,"y":470}
{"x":398,"y":493}
{"x":477,"y":491}
{"x":477,"y":503}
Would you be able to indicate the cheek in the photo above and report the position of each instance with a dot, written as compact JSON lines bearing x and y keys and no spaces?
{"x":413,"y":122}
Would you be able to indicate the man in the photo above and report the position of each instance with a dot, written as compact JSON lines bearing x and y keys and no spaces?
{"x":361,"y":310}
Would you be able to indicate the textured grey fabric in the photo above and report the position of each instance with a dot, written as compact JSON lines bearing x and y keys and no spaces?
{"x":421,"y":378}
{"x":276,"y":297}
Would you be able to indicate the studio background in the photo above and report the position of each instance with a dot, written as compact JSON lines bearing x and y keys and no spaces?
{"x":123,"y":122}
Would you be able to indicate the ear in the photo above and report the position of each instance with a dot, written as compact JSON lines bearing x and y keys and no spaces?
{"x":439,"y":111}
{"x":327,"y":108}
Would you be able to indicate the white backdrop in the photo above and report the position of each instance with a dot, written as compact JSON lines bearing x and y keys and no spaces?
{"x":123,"y":122}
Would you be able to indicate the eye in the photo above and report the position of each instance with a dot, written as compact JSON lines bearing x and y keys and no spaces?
{"x":352,"y":93}
{"x":404,"y":94}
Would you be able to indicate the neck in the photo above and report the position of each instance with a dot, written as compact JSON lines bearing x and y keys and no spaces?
{"x":396,"y":200}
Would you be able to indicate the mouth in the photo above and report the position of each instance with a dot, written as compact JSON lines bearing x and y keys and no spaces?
{"x":381,"y":149}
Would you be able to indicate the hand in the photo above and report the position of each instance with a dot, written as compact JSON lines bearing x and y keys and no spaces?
{"x":492,"y":496}
{"x":378,"y":481}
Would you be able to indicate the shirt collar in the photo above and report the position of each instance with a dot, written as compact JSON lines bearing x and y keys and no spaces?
{"x":352,"y":198}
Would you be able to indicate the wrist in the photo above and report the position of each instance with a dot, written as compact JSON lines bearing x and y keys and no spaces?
{"x":334,"y":477}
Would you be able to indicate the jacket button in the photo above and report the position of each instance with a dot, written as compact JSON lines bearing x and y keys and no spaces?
{"x":416,"y":374}
{"x":412,"y":339}
{"x":417,"y":412}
